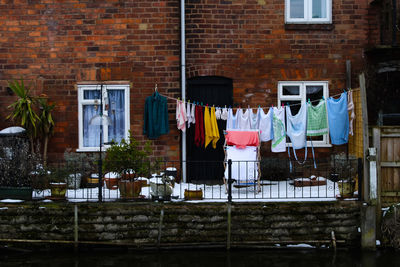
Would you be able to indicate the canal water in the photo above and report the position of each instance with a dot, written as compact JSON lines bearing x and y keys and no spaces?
{"x":208,"y":258}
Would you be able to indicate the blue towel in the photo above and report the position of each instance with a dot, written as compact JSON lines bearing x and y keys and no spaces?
{"x":338,"y":119}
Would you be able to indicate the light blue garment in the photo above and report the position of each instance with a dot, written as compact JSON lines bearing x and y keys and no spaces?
{"x":232,"y":121}
{"x":296,"y":126}
{"x":338,"y":119}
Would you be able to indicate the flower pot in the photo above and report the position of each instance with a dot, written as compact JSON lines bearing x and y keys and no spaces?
{"x":11,"y":192}
{"x":129,"y":189}
{"x":111,"y":183}
{"x":193,"y":194}
{"x":93,"y":180}
{"x":346,"y":189}
{"x":58,"y":190}
{"x":74,"y":180}
{"x":111,"y":180}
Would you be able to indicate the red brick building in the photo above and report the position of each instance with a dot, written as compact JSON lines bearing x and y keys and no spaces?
{"x":61,"y":47}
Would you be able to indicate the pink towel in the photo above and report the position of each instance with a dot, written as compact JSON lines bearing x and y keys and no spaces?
{"x":241,"y":139}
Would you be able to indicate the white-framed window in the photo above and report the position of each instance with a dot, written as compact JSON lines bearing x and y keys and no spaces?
{"x":308,"y":11}
{"x":298,"y":93}
{"x":115,"y":100}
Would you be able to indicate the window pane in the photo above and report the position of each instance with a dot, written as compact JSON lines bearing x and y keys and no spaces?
{"x":91,"y":133}
{"x":294,"y":106}
{"x":318,"y":9}
{"x":314,"y":93}
{"x":91,"y":94}
{"x":116,"y":112}
{"x":296,"y":9}
{"x":291,"y":90}
{"x":315,"y":138}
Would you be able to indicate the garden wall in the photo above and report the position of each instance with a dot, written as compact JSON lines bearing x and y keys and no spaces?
{"x":183,"y":224}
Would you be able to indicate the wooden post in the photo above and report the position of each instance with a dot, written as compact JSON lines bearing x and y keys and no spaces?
{"x":368,"y":211}
{"x":75,"y":228}
{"x":373,"y":177}
{"x":376,"y":138}
{"x":363,"y":96}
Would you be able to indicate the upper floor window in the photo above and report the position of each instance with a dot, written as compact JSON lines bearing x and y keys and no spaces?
{"x":308,"y":11}
{"x":296,"y":94}
{"x":114,"y":100}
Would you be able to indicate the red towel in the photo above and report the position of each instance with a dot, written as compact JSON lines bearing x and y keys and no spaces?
{"x":199,"y":127}
{"x":241,"y":139}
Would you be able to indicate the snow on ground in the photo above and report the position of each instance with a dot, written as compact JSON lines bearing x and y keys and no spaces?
{"x":11,"y":201}
{"x":271,"y":191}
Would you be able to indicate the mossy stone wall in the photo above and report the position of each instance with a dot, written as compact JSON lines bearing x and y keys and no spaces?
{"x":138,"y":224}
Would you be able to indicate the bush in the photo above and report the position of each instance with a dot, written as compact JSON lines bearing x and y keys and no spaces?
{"x":128,"y":158}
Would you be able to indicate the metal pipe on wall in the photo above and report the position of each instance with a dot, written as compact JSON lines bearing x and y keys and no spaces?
{"x":183,"y":83}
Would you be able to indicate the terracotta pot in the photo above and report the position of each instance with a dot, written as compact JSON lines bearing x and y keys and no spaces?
{"x":58,"y":190}
{"x":193,"y":194}
{"x":111,"y":183}
{"x":129,"y":189}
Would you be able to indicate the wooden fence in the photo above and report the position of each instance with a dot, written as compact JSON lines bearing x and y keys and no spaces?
{"x":386,"y":139}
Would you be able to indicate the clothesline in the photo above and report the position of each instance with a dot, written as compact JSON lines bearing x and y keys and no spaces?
{"x":175,"y":99}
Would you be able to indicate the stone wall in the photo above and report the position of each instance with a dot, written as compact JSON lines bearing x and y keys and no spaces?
{"x":138,"y":224}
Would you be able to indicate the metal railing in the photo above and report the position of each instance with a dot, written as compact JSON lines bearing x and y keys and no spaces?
{"x":265,"y":180}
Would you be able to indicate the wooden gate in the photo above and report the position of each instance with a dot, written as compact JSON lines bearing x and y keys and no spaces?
{"x":387,"y":142}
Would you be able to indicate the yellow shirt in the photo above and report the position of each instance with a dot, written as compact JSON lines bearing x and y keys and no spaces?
{"x":210,"y":127}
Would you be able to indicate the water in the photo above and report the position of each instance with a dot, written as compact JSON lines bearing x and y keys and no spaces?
{"x":208,"y":258}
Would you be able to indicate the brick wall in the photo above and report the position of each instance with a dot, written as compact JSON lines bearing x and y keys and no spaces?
{"x":249,"y":42}
{"x":139,"y":224}
{"x":56,"y":44}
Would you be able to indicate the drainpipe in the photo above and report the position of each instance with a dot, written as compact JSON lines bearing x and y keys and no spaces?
{"x":183,"y":84}
{"x":394,"y":23}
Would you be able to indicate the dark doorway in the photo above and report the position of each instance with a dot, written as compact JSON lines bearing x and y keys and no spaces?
{"x":205,"y":164}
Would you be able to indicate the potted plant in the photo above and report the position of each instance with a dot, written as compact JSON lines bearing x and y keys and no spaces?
{"x":130,"y":161}
{"x":57,"y":178}
{"x":23,"y":109}
{"x":46,"y":123}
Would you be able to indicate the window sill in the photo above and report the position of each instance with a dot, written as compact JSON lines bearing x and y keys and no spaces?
{"x":311,"y":26}
{"x":313,"y":145}
{"x":91,"y":149}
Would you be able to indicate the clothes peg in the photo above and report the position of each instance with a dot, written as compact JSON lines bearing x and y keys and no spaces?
{"x":309,"y":101}
{"x":201,"y":103}
{"x":155,"y":88}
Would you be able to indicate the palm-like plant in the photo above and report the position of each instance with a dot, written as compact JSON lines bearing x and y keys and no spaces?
{"x":46,"y":125}
{"x":23,"y":109}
